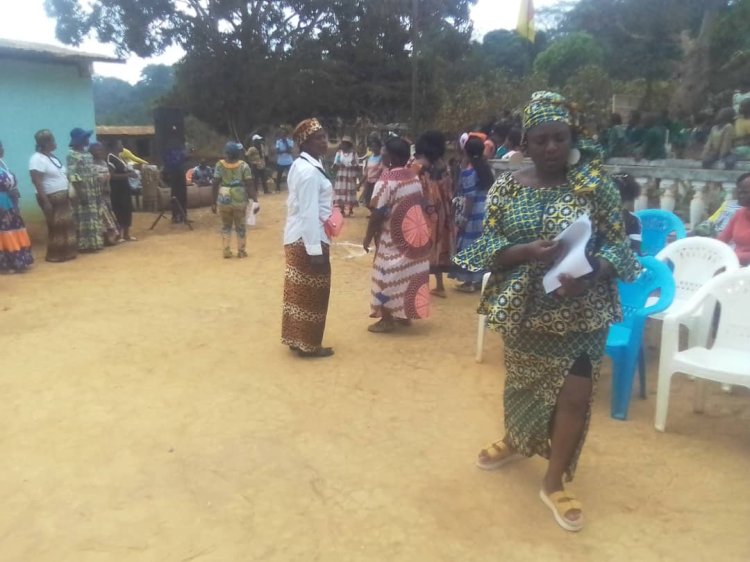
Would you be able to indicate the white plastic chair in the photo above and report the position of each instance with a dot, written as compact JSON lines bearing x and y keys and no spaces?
{"x":482,"y":323}
{"x":695,"y":261}
{"x":728,"y":359}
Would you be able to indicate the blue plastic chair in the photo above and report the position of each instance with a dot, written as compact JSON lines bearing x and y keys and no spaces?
{"x":656,"y":226}
{"x":625,"y":340}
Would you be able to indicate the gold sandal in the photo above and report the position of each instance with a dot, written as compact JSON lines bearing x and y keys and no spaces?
{"x":496,"y":455}
{"x":561,"y":503}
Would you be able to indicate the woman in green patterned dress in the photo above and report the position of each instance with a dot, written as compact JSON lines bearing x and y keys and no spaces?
{"x":88,"y":201}
{"x":554,"y":343}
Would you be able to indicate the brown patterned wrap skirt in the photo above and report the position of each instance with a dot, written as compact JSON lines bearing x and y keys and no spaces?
{"x":306,"y":294}
{"x":62,"y":231}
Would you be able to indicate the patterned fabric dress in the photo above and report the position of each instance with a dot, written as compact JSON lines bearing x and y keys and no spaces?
{"x":345,"y":185}
{"x":232,"y":201}
{"x":111,"y":230}
{"x":469,"y":217}
{"x":15,"y":245}
{"x":437,"y":187}
{"x":544,"y":334}
{"x":400,"y":274}
{"x":88,"y":204}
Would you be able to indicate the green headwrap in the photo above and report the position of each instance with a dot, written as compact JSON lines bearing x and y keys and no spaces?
{"x":546,"y":107}
{"x":587,"y":173}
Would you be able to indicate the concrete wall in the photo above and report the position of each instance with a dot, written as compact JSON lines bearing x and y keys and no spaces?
{"x":40,"y":95}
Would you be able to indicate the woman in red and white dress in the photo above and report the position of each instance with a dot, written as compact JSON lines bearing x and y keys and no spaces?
{"x":400,"y":273}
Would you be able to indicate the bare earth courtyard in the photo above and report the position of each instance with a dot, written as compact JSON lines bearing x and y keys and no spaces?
{"x":151,"y":414}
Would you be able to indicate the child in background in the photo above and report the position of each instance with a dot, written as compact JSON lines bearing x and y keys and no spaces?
{"x":512,"y":144}
{"x":629,"y":192}
{"x":372,"y":171}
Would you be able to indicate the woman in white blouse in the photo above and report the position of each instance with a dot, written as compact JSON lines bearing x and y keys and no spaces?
{"x":51,"y":182}
{"x":307,"y":282}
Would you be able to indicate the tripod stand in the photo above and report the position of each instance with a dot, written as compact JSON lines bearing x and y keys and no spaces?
{"x":175,"y":205}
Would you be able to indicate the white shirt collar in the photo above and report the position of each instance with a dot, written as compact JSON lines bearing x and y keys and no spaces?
{"x":307,"y":156}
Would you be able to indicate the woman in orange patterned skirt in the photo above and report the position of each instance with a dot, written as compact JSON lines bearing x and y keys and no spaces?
{"x":400,"y":272}
{"x":15,"y":246}
{"x":437,"y":186}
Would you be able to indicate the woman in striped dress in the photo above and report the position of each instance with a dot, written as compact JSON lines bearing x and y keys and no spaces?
{"x":475,"y":179}
{"x":400,"y":272}
{"x":346,"y":166}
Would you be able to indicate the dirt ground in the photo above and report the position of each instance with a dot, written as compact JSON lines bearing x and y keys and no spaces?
{"x":151,"y":414}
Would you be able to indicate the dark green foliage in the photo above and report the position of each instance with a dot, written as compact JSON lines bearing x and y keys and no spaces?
{"x":120,"y":103}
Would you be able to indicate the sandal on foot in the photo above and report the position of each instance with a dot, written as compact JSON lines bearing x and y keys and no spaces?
{"x":322,"y":352}
{"x":439,"y":293}
{"x":381,"y":327}
{"x":242,"y":254}
{"x":496,"y":455}
{"x":561,"y":503}
{"x":466,"y":288}
{"x":228,"y":253}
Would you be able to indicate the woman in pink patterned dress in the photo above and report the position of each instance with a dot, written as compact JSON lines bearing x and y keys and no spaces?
{"x":400,"y":273}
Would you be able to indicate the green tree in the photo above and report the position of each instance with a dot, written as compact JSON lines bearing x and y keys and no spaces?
{"x":119,"y":103}
{"x":506,"y":50}
{"x":564,"y":57}
{"x":254,"y":61}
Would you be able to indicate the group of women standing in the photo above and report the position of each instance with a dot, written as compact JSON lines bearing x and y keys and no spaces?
{"x":554,"y":342}
{"x":87,"y":204}
{"x":86,"y":201}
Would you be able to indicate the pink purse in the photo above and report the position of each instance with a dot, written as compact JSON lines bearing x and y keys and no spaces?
{"x":334,"y":224}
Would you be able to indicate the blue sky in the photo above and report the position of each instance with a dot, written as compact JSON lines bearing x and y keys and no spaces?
{"x":26,"y":20}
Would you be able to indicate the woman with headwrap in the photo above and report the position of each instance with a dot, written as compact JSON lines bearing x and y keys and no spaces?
{"x":233,"y":188}
{"x":51,"y":182}
{"x":307,"y":280}
{"x":554,"y":343}
{"x":88,"y":202}
{"x":110,"y":228}
{"x":15,"y":245}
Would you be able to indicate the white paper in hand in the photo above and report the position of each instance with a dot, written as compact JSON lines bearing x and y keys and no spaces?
{"x":572,"y":260}
{"x":251,"y":214}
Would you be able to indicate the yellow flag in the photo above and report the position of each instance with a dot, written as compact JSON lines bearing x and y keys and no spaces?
{"x":526,"y":20}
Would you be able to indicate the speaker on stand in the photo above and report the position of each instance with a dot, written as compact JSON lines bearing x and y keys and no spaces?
{"x":169,"y":128}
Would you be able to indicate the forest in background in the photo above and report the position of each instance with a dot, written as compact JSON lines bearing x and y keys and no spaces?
{"x":251,"y":63}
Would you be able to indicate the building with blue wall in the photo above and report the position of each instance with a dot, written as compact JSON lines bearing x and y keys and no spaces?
{"x":43,"y":87}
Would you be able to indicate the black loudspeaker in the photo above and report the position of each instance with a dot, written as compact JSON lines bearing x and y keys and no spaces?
{"x":169,"y":126}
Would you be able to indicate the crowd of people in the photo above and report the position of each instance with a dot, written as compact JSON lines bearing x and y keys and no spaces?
{"x":723,"y":138}
{"x":430,"y":215}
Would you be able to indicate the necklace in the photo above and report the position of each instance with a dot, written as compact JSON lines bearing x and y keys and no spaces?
{"x":54,"y":160}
